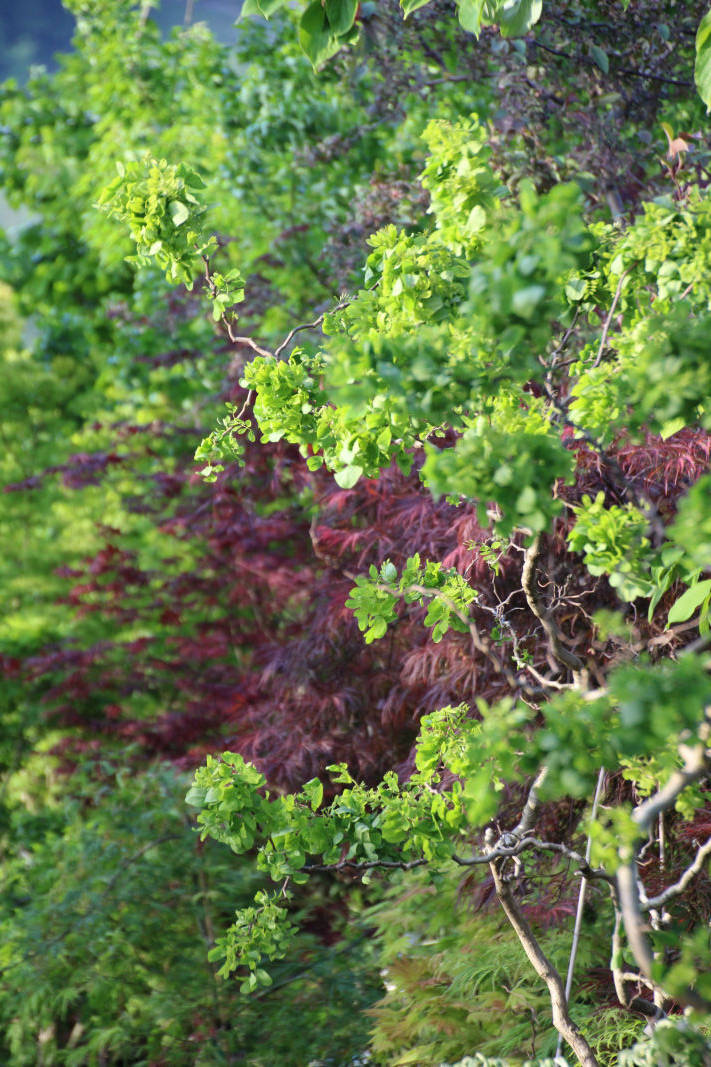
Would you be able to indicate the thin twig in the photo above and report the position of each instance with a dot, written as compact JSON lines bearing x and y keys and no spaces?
{"x":681,"y":884}
{"x":611,"y":312}
{"x":619,"y":977}
{"x":533,"y":803}
{"x":696,"y":765}
{"x":628,"y":71}
{"x":309,"y":326}
{"x":581,"y":901}
{"x":368,"y":865}
{"x":239,"y":340}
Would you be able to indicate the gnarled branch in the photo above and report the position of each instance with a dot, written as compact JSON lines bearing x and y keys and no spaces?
{"x":544,"y":969}
{"x":528,"y":584}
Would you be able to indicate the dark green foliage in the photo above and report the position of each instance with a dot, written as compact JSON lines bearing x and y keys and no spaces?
{"x":107,"y":919}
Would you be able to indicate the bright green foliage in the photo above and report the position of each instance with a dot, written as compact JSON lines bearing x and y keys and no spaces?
{"x":697,"y":598}
{"x":512,"y":457}
{"x":489,"y":328}
{"x":326,"y":27}
{"x":259,"y":932}
{"x":388,"y":824}
{"x":460,"y":180}
{"x":360,"y":825}
{"x":373,"y":600}
{"x":392,"y":824}
{"x":157,"y":201}
{"x":664,"y":348}
{"x":80,"y":353}
{"x":648,"y":771}
{"x":674,"y":1043}
{"x":702,"y":68}
{"x":292,"y":405}
{"x":661,"y":266}
{"x":378,"y":385}
{"x":518,"y":283}
{"x":692,"y":527}
{"x":643,"y":707}
{"x":224,"y":442}
{"x":454,"y":326}
{"x":614,"y":542}
{"x":657,"y":701}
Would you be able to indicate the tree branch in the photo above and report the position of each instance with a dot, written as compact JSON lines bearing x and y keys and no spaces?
{"x":544,"y":969}
{"x":368,"y":865}
{"x":611,"y":312}
{"x":696,"y":765}
{"x":530,"y":808}
{"x":528,"y":584}
{"x":680,"y":886}
{"x":309,"y":326}
{"x":619,"y":977}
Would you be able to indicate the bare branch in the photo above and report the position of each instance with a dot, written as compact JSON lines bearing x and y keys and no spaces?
{"x":530,"y":808}
{"x":611,"y":312}
{"x":238,"y":340}
{"x":249,"y":399}
{"x":544,"y":969}
{"x":581,"y":863}
{"x":309,"y":326}
{"x":528,"y":584}
{"x":369,"y":865}
{"x":503,"y":850}
{"x":679,"y":887}
{"x":619,"y":977}
{"x":581,"y":896}
{"x":696,"y":765}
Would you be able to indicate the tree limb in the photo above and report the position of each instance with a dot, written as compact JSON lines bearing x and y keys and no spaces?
{"x":680,"y":886}
{"x":696,"y":765}
{"x":544,"y":969}
{"x":528,"y":584}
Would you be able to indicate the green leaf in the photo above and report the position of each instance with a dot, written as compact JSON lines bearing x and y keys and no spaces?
{"x":265,"y":8}
{"x":179,"y":212}
{"x":671,"y":427}
{"x":389,"y":571}
{"x":348,"y":476}
{"x":600,"y":58}
{"x":315,"y":35}
{"x":576,"y":288}
{"x":408,"y":6}
{"x":515,"y":17}
{"x":689,"y":601}
{"x":313,"y":791}
{"x":702,"y":67}
{"x":471,"y":13}
{"x":341,"y":15}
{"x":195,"y":796}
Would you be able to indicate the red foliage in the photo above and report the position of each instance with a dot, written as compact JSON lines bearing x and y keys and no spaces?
{"x":250,"y":647}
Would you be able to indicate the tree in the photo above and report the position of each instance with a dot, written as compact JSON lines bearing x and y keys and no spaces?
{"x":526,"y":353}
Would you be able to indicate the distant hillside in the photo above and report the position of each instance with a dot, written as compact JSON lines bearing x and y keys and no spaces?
{"x":35,"y":30}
